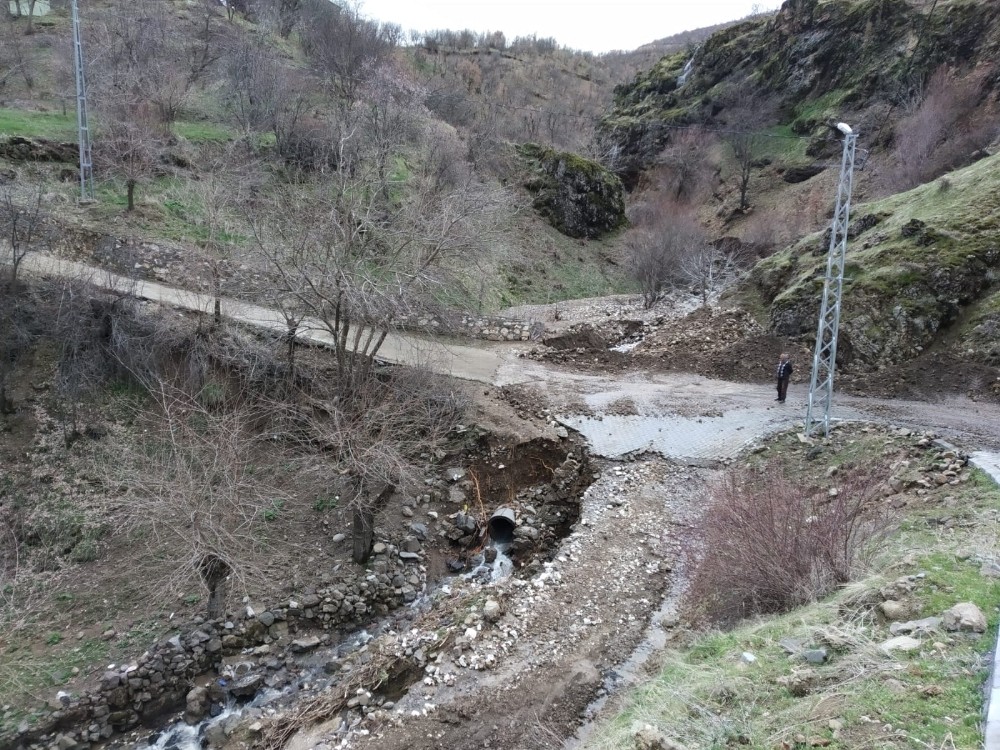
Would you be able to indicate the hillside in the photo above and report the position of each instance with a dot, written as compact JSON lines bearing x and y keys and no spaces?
{"x":919,"y":81}
{"x":192,"y":92}
{"x":264,"y":512}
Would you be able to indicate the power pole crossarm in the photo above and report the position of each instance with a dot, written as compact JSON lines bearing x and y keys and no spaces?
{"x":82,"y":122}
{"x":825,"y":356}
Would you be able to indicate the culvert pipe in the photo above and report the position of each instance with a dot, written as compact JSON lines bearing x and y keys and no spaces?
{"x":501,"y":525}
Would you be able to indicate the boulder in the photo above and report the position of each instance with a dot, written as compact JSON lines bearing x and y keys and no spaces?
{"x":247,"y":686}
{"x":579,"y":197}
{"x":301,"y":645}
{"x":492,"y":611}
{"x":651,"y":738}
{"x":966,"y":617}
{"x":894,"y":611}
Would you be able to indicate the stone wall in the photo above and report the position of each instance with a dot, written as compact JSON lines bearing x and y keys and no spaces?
{"x":158,"y":682}
{"x":476,"y":327}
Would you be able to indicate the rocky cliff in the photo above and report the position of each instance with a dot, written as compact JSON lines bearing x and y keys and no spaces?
{"x":813,"y":59}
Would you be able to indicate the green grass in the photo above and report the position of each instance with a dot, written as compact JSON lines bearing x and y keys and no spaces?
{"x":203,"y":132}
{"x":572,"y":275}
{"x":781,"y":144}
{"x":52,"y":125}
{"x":26,"y":670}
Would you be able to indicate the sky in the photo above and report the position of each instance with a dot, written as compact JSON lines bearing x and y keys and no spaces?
{"x":585,"y":25}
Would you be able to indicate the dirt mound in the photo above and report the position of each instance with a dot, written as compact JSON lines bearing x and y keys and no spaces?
{"x":728,"y":344}
{"x":927,"y":378}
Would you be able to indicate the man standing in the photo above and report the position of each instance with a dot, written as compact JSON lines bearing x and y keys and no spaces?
{"x":784,"y":375}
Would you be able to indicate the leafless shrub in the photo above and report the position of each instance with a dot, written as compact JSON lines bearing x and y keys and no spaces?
{"x":194,"y":499}
{"x":943,"y":131}
{"x":661,"y":247}
{"x":256,"y":90}
{"x":685,"y":168}
{"x":20,"y":225}
{"x":147,"y":61}
{"x":769,"y":545}
{"x":82,"y":364}
{"x":345,"y":48}
{"x":710,"y":267}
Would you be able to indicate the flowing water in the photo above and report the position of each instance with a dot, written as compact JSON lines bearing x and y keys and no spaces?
{"x":686,"y":73}
{"x":493,"y":564}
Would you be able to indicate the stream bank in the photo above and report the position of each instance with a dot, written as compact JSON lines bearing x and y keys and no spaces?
{"x":419,"y":542}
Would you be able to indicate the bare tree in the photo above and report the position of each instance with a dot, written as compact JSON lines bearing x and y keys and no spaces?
{"x":661,"y":231}
{"x":354,"y":259}
{"x":376,"y":440}
{"x":17,"y":321}
{"x":78,"y":329}
{"x":25,"y":9}
{"x":221,"y":190}
{"x":745,"y":116}
{"x":17,"y":55}
{"x":657,"y":251}
{"x":256,"y":90}
{"x":129,"y":146}
{"x":20,"y":226}
{"x":194,"y":499}
{"x":709,"y":268}
{"x":685,"y":167}
{"x":344,"y":47}
{"x":746,"y":148}
{"x":148,"y":61}
{"x":351,"y":252}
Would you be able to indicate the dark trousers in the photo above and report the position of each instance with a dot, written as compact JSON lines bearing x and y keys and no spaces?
{"x":783,"y":388}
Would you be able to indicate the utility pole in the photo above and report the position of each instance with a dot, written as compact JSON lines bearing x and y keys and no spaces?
{"x":825,"y":356}
{"x":82,"y":123}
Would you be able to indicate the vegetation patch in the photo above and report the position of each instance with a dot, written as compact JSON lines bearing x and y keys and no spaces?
{"x":880,"y":662}
{"x":925,"y":257}
{"x":37,"y":124}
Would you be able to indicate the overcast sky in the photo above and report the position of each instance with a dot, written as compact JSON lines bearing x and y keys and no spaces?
{"x":579,"y":24}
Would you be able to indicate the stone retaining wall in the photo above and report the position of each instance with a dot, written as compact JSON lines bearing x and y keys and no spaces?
{"x":476,"y":327}
{"x":159,"y":680}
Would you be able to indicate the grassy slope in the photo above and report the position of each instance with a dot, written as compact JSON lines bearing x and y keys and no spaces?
{"x":929,"y":274}
{"x":706,"y":695}
{"x":535,"y":264}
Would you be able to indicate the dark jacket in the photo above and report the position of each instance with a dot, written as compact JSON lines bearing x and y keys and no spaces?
{"x":784,"y":370}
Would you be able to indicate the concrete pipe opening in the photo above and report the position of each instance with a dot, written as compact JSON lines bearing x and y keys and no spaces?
{"x":501,"y":526}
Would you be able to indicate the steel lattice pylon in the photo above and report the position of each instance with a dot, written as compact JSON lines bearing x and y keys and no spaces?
{"x":825,"y":356}
{"x":82,"y":123}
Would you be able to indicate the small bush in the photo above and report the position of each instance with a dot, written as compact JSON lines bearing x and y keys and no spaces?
{"x":769,"y":545}
{"x":327,"y":503}
{"x":271,"y":512}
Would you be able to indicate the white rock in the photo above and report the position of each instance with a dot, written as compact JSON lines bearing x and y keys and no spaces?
{"x":900,"y":643}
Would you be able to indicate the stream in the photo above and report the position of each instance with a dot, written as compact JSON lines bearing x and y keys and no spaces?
{"x":686,"y":73}
{"x":491,"y":565}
